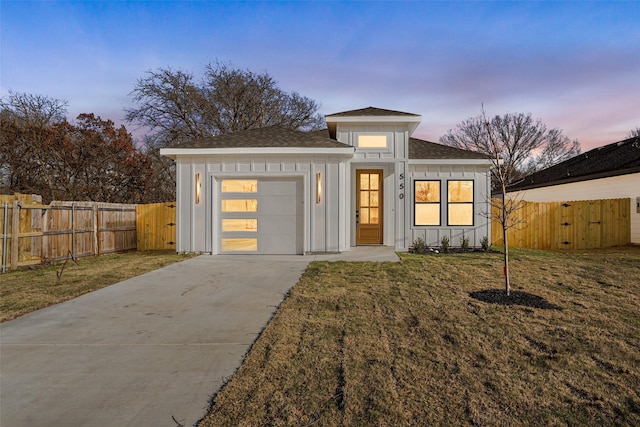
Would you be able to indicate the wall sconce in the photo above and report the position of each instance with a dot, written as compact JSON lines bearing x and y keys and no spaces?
{"x":318,"y":187}
{"x":198,"y":188}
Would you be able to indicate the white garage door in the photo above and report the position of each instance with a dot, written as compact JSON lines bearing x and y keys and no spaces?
{"x":261,"y":216}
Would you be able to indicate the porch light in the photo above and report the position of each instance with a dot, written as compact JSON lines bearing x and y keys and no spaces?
{"x":318,"y":187}
{"x":198,"y":188}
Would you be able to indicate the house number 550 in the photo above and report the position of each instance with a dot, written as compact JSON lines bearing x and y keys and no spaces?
{"x":401,"y":195}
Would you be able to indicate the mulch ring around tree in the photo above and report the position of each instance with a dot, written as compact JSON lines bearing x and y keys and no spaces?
{"x":499,"y":296}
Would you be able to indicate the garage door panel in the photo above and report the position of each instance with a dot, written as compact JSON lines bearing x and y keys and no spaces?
{"x":279,"y":217}
{"x":277,"y":244}
{"x":277,"y":188}
{"x":278,"y":205}
{"x":284,"y":224}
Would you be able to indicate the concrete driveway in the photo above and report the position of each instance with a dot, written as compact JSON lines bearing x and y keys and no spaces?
{"x":149,"y":350}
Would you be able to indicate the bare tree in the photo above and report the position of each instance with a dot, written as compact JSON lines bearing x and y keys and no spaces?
{"x":634,"y":132}
{"x":25,"y":121}
{"x":510,"y":141}
{"x":161,"y":178}
{"x":525,"y":145}
{"x":176,"y":109}
{"x":245,"y":100}
{"x":557,"y":149}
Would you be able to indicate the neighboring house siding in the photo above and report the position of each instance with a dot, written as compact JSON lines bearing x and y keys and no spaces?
{"x":617,"y":187}
{"x":433,"y":235}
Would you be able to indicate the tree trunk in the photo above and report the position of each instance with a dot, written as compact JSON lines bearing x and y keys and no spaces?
{"x":505,"y":227}
{"x":507,"y":285}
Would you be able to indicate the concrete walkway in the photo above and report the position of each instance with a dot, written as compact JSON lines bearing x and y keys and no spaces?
{"x":148,"y":350}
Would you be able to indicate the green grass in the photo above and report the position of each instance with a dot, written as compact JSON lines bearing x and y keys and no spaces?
{"x":27,"y":290}
{"x":393,"y":344}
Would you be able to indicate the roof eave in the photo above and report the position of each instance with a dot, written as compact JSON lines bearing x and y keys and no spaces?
{"x":412,"y":121}
{"x":175,"y":152}
{"x":569,"y":180}
{"x":481,"y":162}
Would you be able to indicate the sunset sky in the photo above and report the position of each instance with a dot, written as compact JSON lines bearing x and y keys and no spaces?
{"x":574,"y":65}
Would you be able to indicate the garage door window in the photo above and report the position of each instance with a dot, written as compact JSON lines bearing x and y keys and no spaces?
{"x":234,"y":224}
{"x":240,"y":221}
{"x":239,"y":244}
{"x":239,"y":186}
{"x":239,"y":205}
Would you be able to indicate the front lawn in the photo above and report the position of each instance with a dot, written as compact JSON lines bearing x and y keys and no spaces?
{"x":425,"y":342}
{"x":27,"y":290}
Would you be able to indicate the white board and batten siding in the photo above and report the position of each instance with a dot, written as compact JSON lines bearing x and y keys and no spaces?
{"x":315,"y":224}
{"x":616,"y":187}
{"x":397,"y":137}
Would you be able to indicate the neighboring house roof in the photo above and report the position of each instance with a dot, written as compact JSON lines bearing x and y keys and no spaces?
{"x":371,"y":112}
{"x":619,"y":158}
{"x":420,"y":149}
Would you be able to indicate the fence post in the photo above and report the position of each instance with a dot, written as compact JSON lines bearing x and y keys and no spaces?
{"x":5,"y":229}
{"x":96,"y":248}
{"x":15,"y":233}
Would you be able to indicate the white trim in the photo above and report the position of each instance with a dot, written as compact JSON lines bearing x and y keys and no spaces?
{"x":174,"y":152}
{"x":411,"y":121}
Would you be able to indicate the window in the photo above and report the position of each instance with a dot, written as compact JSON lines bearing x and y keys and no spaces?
{"x":460,"y":202}
{"x":239,"y":186}
{"x":426,"y":202}
{"x":372,"y":141}
{"x":240,"y":224}
{"x":239,"y":205}
{"x":240,"y":244}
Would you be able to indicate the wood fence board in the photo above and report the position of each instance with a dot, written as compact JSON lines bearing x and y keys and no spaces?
{"x":581,"y":224}
{"x":156,"y":224}
{"x":52,"y":232}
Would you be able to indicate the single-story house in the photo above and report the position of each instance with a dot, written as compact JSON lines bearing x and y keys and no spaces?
{"x":608,"y":172}
{"x":362,"y":181}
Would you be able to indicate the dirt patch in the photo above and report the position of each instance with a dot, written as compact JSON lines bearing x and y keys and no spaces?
{"x":498,"y":296}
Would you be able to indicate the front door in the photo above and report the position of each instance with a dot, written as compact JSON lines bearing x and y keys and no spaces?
{"x":369,"y":207}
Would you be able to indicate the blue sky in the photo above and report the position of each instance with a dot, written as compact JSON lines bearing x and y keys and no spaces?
{"x":574,"y":65}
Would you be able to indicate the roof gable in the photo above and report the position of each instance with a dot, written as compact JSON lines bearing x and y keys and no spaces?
{"x":619,"y":158}
{"x":371,"y":112}
{"x":372,"y":115}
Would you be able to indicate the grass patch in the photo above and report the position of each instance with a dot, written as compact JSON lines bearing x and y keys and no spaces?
{"x":24,"y":291}
{"x":392,"y":344}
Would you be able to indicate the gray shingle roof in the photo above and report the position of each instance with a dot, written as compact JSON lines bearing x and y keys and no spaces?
{"x":372,"y":111}
{"x":271,"y":136}
{"x":619,"y":158}
{"x":282,"y":137}
{"x":420,"y":149}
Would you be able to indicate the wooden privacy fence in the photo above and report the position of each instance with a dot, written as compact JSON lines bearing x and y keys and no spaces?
{"x":156,"y":224}
{"x":33,"y":233}
{"x":583,"y":224}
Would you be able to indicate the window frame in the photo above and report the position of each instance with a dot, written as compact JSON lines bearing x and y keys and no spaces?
{"x":374,"y":134}
{"x":472,"y":203}
{"x":416,"y":203}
